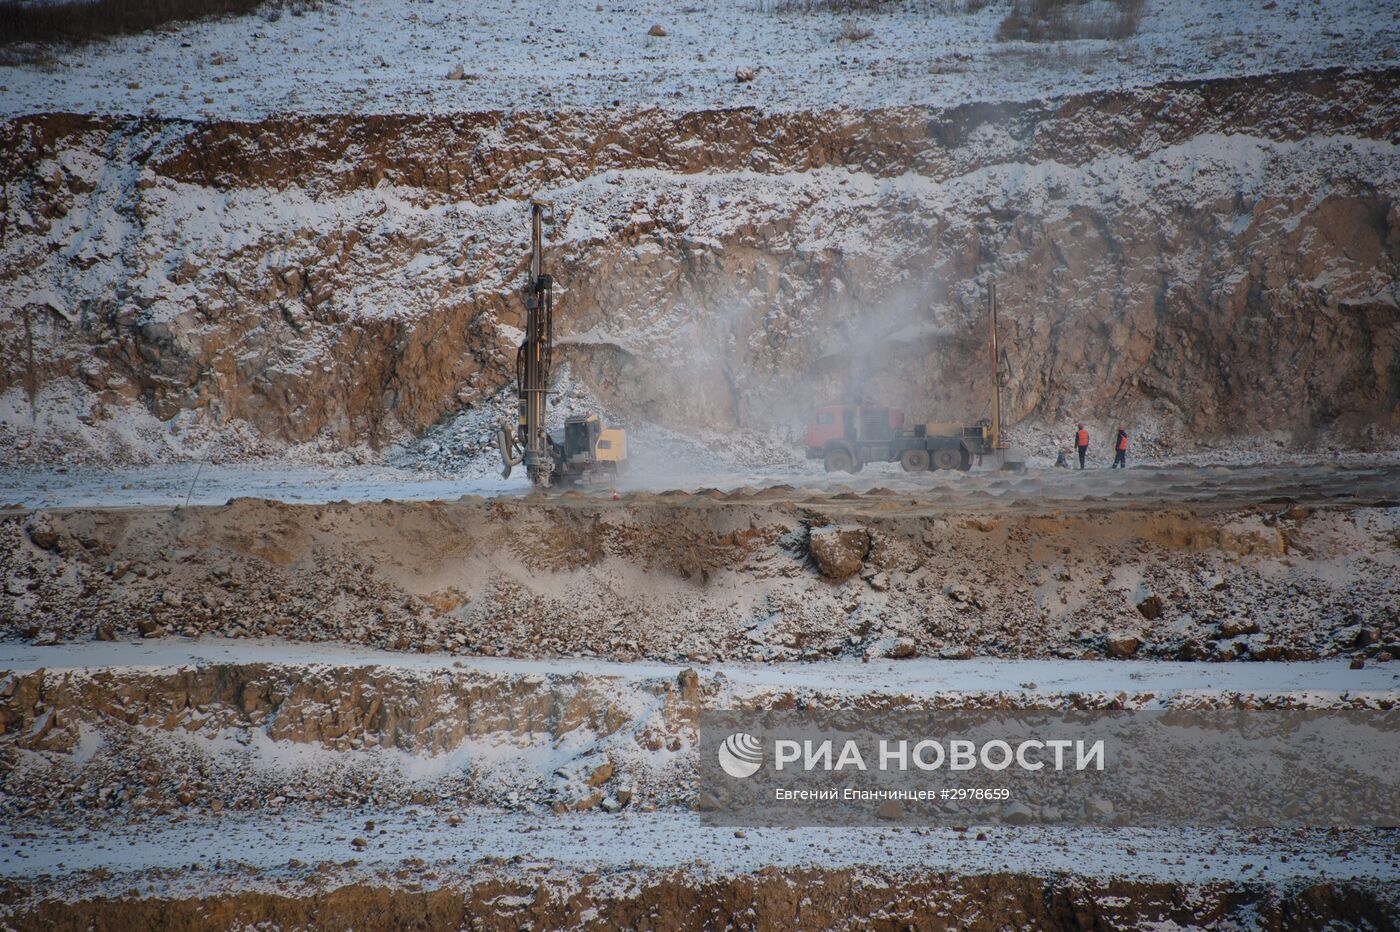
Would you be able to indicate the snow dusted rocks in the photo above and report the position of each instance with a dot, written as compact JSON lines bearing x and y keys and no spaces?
{"x":1236,"y":625}
{"x":901,"y":648}
{"x":1122,"y":644}
{"x":1150,"y":607}
{"x":838,"y":550}
{"x":545,"y":56}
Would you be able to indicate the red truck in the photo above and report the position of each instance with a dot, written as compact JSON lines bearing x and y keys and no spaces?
{"x":846,"y":437}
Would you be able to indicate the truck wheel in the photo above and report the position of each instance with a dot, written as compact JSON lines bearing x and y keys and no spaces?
{"x":839,"y":460}
{"x":914,"y":460}
{"x":947,"y":458}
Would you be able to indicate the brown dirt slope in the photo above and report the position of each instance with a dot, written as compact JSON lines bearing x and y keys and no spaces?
{"x":722,"y":576}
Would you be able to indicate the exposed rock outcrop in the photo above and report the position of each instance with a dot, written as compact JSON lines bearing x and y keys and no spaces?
{"x":1203,"y":257}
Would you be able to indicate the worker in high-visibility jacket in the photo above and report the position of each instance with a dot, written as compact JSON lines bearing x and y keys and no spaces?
{"x":1120,"y":449}
{"x":1081,"y":443}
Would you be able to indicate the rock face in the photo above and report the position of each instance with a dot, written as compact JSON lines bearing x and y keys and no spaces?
{"x":838,"y":551}
{"x":1207,"y":257}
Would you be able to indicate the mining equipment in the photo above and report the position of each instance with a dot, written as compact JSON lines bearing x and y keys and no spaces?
{"x":847,"y":436}
{"x":584,"y":450}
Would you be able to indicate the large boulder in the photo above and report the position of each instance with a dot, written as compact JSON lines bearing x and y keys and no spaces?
{"x":1236,"y":625}
{"x":1151,"y":607}
{"x":1122,"y":644}
{"x":838,"y":550}
{"x":43,"y":534}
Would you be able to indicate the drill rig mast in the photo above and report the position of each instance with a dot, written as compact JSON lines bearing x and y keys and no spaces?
{"x":536,"y":356}
{"x":529,"y":442}
{"x":585,"y":449}
{"x":997,"y":443}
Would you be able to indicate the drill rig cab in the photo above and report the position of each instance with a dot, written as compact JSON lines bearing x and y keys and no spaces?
{"x":584,"y":450}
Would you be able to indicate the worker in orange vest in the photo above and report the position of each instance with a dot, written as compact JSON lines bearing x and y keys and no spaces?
{"x":1120,"y":449}
{"x":1081,"y":443}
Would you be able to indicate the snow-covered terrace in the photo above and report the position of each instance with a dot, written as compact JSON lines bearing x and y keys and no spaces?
{"x":394,"y":56}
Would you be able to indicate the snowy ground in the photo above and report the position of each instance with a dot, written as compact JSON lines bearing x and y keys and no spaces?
{"x":393,"y":56}
{"x":1163,"y":680}
{"x":216,"y":484}
{"x":670,"y":840}
{"x":1311,"y":479}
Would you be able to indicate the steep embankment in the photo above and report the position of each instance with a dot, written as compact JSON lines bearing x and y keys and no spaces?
{"x":1199,"y":257}
{"x":214,"y":724}
{"x":774,"y":575}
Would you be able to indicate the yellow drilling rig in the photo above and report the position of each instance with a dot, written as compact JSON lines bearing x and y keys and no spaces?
{"x":584,"y":450}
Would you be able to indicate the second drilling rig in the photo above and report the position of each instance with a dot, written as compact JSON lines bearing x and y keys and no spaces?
{"x":847,"y":436}
{"x":584,"y":450}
